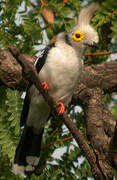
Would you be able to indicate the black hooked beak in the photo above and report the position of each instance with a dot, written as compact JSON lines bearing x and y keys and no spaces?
{"x":94,"y":45}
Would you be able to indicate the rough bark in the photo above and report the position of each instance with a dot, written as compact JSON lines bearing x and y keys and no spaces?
{"x":100,"y":123}
{"x":11,"y":71}
{"x":95,"y":116}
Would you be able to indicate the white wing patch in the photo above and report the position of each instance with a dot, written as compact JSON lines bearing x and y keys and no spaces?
{"x":40,"y":56}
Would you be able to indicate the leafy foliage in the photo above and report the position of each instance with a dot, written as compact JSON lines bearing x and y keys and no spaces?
{"x":20,"y":27}
{"x":9,"y":122}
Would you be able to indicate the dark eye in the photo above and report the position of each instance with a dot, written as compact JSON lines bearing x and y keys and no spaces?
{"x":77,"y":35}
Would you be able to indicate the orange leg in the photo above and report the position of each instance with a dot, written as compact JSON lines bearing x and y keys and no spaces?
{"x":62,"y":108}
{"x":45,"y":85}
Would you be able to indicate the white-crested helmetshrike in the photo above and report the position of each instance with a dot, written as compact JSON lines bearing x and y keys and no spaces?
{"x":60,"y":67}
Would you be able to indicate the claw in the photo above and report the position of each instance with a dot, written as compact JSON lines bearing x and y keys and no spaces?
{"x":45,"y":85}
{"x":62,"y":108}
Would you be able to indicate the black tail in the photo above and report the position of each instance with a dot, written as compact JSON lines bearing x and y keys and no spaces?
{"x":27,"y":152}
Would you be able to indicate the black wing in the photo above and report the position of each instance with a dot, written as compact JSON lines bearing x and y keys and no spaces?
{"x":40,"y":63}
{"x":42,"y":58}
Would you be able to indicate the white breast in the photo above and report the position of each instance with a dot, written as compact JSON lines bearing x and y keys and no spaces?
{"x":61,"y":71}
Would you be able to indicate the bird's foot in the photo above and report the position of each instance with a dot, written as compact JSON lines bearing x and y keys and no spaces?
{"x":45,"y":85}
{"x":62,"y":108}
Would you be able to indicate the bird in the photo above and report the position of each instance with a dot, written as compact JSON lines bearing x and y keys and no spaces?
{"x":59,"y":67}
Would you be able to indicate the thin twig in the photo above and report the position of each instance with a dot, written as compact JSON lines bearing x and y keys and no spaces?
{"x":101,"y":53}
{"x":57,"y":142}
{"x":105,"y":18}
{"x":43,"y":3}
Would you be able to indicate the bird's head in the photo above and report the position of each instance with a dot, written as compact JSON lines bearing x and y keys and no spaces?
{"x":83,"y":34}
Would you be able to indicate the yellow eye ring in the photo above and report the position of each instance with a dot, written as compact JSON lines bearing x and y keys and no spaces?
{"x":78,"y":36}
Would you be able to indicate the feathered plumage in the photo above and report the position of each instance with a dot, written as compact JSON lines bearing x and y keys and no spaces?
{"x":60,"y":66}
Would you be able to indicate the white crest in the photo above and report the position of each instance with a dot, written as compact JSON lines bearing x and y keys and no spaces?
{"x":87,"y":13}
